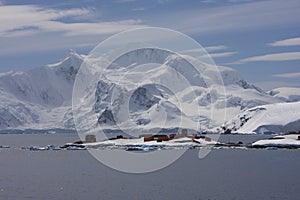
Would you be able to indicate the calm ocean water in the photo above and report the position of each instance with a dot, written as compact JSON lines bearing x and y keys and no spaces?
{"x":223,"y":174}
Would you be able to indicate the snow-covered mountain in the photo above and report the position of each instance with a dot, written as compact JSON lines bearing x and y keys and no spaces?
{"x":267,"y":119}
{"x":162,"y":98}
{"x":41,"y":98}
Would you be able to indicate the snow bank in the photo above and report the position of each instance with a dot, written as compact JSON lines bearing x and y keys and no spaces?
{"x":279,"y":141}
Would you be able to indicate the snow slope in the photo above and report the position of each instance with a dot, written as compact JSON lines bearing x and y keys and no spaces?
{"x":267,"y":119}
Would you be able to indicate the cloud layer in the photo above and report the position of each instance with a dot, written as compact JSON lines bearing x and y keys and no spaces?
{"x":20,"y":20}
{"x":287,"y":56}
{"x":287,"y":42}
{"x":244,"y":16}
{"x":287,"y":75}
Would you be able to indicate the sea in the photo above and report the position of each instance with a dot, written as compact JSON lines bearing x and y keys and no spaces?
{"x":225,"y":173}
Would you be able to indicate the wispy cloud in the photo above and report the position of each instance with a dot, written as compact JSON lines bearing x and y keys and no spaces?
{"x":20,"y":16}
{"x":138,"y":9}
{"x":287,"y":75}
{"x":47,"y":43}
{"x":208,"y":49}
{"x":287,"y":56}
{"x":221,"y":54}
{"x":215,"y":48}
{"x":29,"y":28}
{"x":211,"y":50}
{"x":162,"y":1}
{"x":287,"y":42}
{"x":242,"y":16}
{"x":28,"y":19}
{"x":97,"y":28}
{"x":208,"y":1}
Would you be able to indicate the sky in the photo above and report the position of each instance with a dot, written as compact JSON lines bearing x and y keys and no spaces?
{"x":260,"y":39}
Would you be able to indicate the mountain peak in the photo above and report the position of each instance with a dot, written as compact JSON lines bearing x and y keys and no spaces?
{"x":72,"y":51}
{"x":73,"y":55}
{"x":72,"y":58}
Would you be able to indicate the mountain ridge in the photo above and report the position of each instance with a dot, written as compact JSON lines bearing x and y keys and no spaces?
{"x":40,"y":98}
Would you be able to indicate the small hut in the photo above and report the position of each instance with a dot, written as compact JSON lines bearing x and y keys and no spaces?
{"x":90,"y":138}
{"x":160,"y":137}
{"x":148,"y":139}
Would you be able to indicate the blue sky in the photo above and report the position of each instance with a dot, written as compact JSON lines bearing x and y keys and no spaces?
{"x":261,"y":39}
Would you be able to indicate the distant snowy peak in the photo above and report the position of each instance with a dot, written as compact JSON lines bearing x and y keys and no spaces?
{"x":48,"y":86}
{"x":202,"y":75}
{"x":232,"y":77}
{"x":267,"y":119}
{"x":68,"y":66}
{"x":70,"y":59}
{"x":41,"y":97}
{"x":287,"y":94}
{"x":171,"y":64}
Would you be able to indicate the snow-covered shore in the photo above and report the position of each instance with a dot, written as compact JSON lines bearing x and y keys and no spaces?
{"x":122,"y":143}
{"x":286,"y":141}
